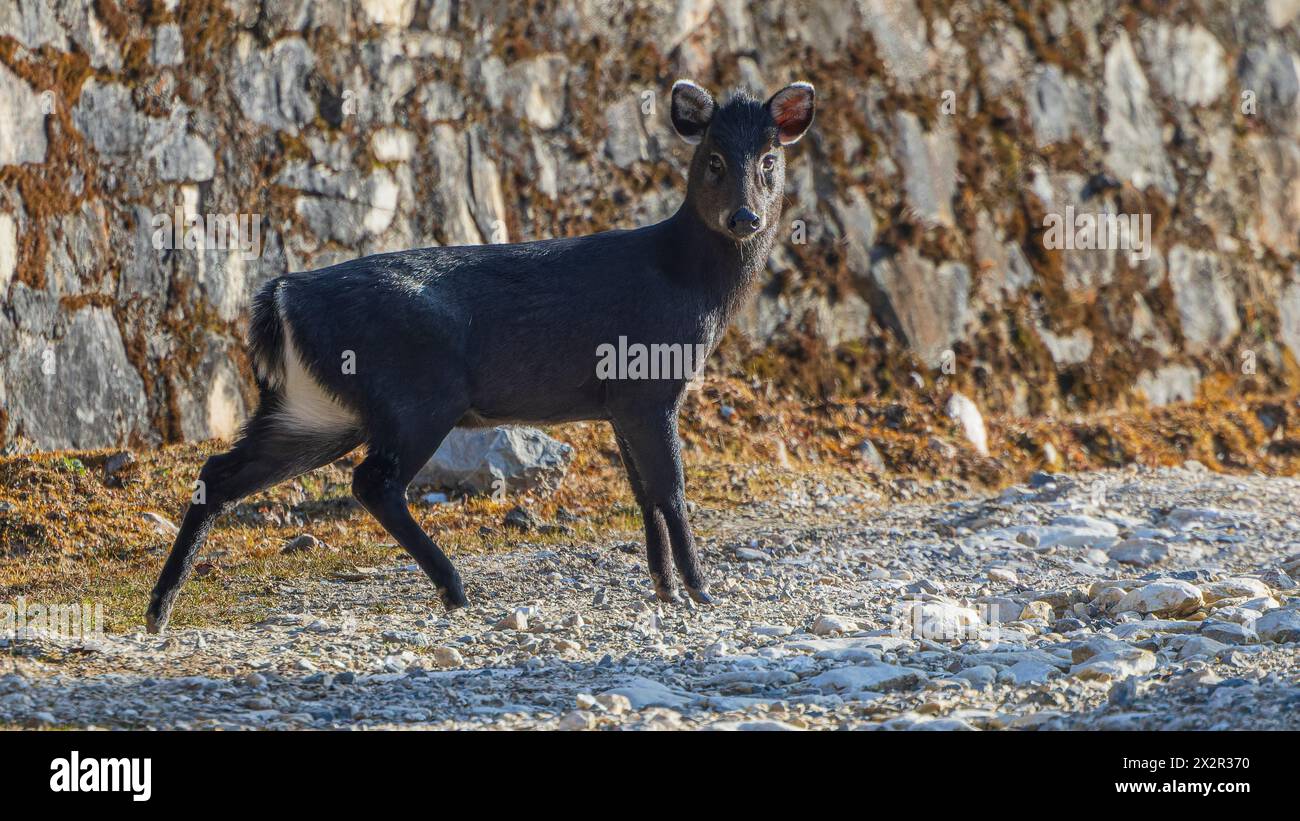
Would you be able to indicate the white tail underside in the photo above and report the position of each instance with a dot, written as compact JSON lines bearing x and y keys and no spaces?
{"x":307,"y":406}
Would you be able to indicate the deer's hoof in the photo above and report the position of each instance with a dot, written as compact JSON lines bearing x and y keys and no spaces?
{"x":667,"y":592}
{"x":700,"y":596}
{"x":453,"y":598}
{"x":155,"y":624}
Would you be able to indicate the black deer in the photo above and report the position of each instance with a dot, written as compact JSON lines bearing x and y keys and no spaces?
{"x":394,"y":350}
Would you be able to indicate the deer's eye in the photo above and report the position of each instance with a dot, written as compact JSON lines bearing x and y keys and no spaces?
{"x":715,"y":164}
{"x":769,"y":162}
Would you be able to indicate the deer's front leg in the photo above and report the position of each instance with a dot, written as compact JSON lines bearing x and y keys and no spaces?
{"x":656,"y":533}
{"x":656,"y":451}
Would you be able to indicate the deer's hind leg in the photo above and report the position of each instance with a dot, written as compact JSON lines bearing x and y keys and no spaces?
{"x":397,"y":451}
{"x":268,"y":451}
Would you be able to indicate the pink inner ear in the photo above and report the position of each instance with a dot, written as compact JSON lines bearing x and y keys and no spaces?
{"x":791,"y":112}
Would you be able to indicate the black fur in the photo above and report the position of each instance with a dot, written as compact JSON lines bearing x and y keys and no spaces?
{"x":484,"y":335}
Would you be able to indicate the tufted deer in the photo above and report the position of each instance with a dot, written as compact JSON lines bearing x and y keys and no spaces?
{"x":486,"y":335}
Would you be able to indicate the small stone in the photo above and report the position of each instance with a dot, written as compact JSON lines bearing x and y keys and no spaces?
{"x":1166,"y":597}
{"x":448,"y":657}
{"x":1200,"y":646}
{"x":521,"y":519}
{"x":488,"y":461}
{"x":829,"y":625}
{"x":1229,"y":632}
{"x":921,"y":586}
{"x":870,"y":456}
{"x":302,"y":544}
{"x":1028,"y":672}
{"x":115,"y":464}
{"x":160,"y":523}
{"x":578,"y":720}
{"x":516,"y":620}
{"x":1281,"y":626}
{"x":1140,"y":552}
{"x":1037,"y":610}
{"x":1234,"y":588}
{"x":1118,"y":664}
{"x":614,"y":703}
{"x":980,"y":676}
{"x":1002,"y":576}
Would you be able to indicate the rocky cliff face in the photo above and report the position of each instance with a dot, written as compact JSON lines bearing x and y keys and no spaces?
{"x":958,"y":215}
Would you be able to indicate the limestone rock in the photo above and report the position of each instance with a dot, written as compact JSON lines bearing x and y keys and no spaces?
{"x":1135,"y":147}
{"x":1206,"y":306}
{"x":1281,"y":626}
{"x":497,"y":460}
{"x":1187,"y":62}
{"x":1167,"y":597}
{"x":928,"y":304}
{"x":22,"y":120}
{"x":961,"y":409}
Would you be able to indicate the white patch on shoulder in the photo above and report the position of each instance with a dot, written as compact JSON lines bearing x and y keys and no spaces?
{"x":306,"y":404}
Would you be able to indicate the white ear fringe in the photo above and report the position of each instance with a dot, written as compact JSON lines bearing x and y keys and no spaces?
{"x":693,"y":140}
{"x":799,"y":84}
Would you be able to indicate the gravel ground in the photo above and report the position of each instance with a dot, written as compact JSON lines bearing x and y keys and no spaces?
{"x":1136,"y":599}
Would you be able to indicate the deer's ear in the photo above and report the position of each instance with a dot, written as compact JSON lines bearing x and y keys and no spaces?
{"x":692,"y":109}
{"x":792,"y":109}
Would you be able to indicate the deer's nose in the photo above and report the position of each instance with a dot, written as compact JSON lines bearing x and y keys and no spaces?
{"x":743,"y":223}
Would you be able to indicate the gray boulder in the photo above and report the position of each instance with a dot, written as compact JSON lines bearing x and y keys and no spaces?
{"x":928,"y":305}
{"x":497,"y":460}
{"x":1187,"y":62}
{"x":1289,"y":309}
{"x":1134,"y":143}
{"x":1281,"y":626}
{"x":1206,"y":306}
{"x":85,"y":369}
{"x":1059,"y":106}
{"x":22,"y":121}
{"x":1268,"y":74}
{"x":1172,"y":383}
{"x":929,"y":163}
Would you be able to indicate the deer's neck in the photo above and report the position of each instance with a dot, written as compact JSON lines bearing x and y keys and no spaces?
{"x":707,"y":260}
